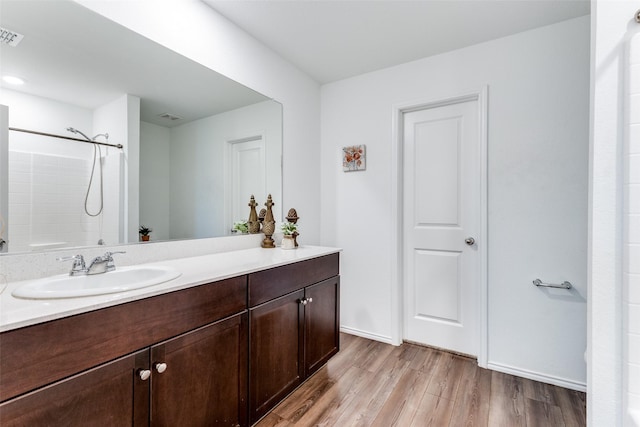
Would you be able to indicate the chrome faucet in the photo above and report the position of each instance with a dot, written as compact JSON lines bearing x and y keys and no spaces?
{"x":100,"y":264}
{"x":78,"y":266}
{"x":103,"y":263}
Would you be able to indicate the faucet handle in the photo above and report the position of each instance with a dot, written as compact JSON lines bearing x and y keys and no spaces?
{"x":116,"y":252}
{"x":108,"y":255}
{"x":77,"y":259}
{"x":78,"y":263}
{"x":109,"y":259}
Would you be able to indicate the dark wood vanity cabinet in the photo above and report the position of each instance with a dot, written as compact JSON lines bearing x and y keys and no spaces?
{"x":186,"y":364}
{"x":196,"y":379}
{"x":223,"y":353}
{"x":292,"y":333}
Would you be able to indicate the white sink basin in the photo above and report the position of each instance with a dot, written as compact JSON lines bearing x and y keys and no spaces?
{"x":122,"y":279}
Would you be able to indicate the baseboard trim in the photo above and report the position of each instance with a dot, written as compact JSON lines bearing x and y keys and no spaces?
{"x":536,"y":376}
{"x":369,"y":335}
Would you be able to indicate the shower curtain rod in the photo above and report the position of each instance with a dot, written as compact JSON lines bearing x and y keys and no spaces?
{"x":65,"y":137}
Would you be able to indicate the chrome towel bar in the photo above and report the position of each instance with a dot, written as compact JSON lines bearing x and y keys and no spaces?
{"x":563,"y":285}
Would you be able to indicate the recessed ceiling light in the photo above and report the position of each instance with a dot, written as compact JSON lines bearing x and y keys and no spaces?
{"x":12,"y":80}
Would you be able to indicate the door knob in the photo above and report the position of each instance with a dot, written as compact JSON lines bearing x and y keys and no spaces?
{"x":470,"y":241}
{"x":144,"y":374}
{"x":161,"y":367}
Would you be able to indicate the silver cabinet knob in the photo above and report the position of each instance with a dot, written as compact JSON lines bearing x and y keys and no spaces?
{"x":309,"y":299}
{"x":144,"y":374}
{"x":160,"y":367}
{"x":305,"y":301}
{"x":470,"y":241}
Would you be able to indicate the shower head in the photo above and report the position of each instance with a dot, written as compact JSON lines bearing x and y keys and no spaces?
{"x":73,"y":130}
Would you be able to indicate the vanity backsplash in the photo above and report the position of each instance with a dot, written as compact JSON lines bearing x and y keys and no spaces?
{"x":35,"y":265}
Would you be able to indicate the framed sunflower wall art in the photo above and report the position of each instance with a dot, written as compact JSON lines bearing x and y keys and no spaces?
{"x":354,"y":158}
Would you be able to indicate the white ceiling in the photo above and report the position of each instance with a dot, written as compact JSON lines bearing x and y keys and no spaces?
{"x":334,"y":39}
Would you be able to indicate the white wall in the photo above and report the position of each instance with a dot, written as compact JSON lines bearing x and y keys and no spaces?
{"x":155,"y":178}
{"x":538,"y":155}
{"x":203,"y":35}
{"x":198,"y":167}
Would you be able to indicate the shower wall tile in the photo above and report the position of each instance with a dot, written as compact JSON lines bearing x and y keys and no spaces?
{"x":634,"y":109}
{"x":19,"y":176}
{"x":633,"y":227}
{"x":633,"y":288}
{"x":633,"y":175}
{"x":50,"y":198}
{"x":22,"y":198}
{"x":632,"y":204}
{"x":634,"y":80}
{"x":634,"y":378}
{"x":19,"y":187}
{"x":19,"y":162}
{"x":633,"y":349}
{"x":633,"y":318}
{"x":19,"y":213}
{"x":46,"y":198}
{"x":633,"y":254}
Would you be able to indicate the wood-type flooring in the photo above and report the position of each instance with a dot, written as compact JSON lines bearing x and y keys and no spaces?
{"x":369,"y":383}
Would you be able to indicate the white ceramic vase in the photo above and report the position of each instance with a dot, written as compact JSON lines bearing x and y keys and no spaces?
{"x":287,"y":242}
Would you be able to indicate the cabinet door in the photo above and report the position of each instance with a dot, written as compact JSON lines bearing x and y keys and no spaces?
{"x":276,"y":343}
{"x":322,"y":323}
{"x":109,"y":395}
{"x":203,"y":381}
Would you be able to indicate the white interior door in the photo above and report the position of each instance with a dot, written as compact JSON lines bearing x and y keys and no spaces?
{"x":247,"y":176}
{"x":441,"y":220}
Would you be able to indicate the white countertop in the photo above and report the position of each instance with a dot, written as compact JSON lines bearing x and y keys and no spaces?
{"x":17,"y":313}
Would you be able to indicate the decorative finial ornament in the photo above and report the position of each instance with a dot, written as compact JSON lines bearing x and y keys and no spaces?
{"x":253,"y":223}
{"x":268,"y":225}
{"x":292,"y":216}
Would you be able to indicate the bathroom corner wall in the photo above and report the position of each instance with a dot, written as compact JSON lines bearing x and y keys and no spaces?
{"x":538,"y":124}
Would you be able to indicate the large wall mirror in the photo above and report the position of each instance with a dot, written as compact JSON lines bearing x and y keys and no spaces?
{"x":195,"y":144}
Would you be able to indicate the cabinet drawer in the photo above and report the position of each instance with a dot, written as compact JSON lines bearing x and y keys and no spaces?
{"x":273,"y":283}
{"x":41,"y":354}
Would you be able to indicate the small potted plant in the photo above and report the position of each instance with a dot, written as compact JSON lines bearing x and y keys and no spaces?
{"x":290,"y":231}
{"x":240,"y":226}
{"x":144,"y":232}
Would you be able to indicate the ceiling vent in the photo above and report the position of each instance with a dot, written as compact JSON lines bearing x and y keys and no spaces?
{"x":10,"y":37}
{"x":169,"y":116}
